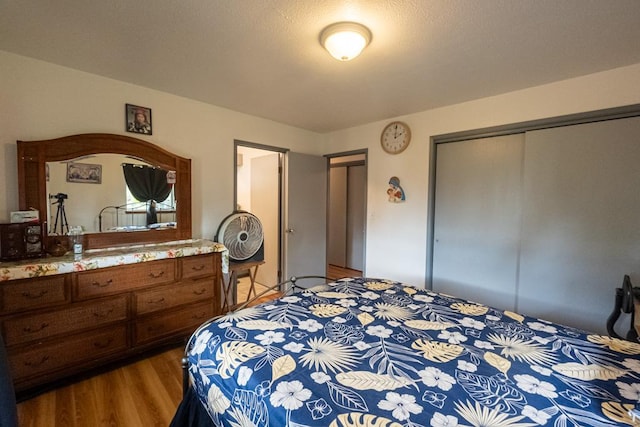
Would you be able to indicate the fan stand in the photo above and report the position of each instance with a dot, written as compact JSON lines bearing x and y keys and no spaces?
{"x":230,"y":295}
{"x":241,"y":232}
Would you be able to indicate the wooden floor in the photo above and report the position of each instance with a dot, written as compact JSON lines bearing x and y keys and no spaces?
{"x":142,"y":394}
{"x":335,"y":272}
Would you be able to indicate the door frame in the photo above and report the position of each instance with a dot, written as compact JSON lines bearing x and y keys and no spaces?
{"x":364,"y":152}
{"x":276,"y":150}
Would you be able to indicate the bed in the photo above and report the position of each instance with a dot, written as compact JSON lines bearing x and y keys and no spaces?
{"x":372,"y":352}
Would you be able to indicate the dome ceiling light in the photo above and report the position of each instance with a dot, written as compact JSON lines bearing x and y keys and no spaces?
{"x":345,"y":40}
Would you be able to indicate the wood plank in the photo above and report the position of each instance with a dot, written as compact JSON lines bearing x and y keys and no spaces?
{"x":141,"y":394}
{"x":87,"y":410}
{"x":335,"y":272}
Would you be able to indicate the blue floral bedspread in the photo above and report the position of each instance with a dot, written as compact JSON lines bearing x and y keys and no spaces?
{"x":369,"y":352}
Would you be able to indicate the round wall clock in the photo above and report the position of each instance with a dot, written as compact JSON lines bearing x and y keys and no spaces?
{"x":395,"y":137}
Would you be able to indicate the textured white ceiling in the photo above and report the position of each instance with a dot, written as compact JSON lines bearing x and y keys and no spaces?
{"x":262,"y":57}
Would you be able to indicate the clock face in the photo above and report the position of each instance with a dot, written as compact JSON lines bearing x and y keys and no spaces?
{"x":395,"y":137}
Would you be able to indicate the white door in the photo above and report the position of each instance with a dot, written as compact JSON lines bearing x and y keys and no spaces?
{"x":337,"y":211}
{"x":265,"y":204}
{"x":357,"y":188}
{"x":305,"y":215}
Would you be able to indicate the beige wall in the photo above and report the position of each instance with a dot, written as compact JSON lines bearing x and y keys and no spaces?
{"x":397,"y":232}
{"x":40,"y":100}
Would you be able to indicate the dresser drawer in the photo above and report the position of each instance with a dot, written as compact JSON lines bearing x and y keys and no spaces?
{"x":123,"y":278}
{"x":42,"y":358}
{"x":25,"y":294}
{"x":158,"y":326}
{"x":173,"y":295}
{"x":197,"y":266}
{"x":25,"y":328}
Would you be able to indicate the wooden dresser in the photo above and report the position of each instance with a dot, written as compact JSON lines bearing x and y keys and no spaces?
{"x":64,"y":324}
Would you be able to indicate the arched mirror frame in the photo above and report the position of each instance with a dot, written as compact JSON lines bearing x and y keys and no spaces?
{"x":33,"y":156}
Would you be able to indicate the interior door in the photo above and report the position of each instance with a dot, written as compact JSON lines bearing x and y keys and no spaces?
{"x":337,"y":253}
{"x":305,"y":219}
{"x":357,"y":188}
{"x":265,"y":202}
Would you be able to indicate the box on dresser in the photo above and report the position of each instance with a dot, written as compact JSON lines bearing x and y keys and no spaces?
{"x":20,"y":241}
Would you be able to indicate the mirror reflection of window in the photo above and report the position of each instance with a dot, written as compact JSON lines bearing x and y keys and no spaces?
{"x":168,"y":205}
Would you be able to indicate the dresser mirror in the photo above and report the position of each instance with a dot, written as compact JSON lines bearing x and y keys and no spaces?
{"x":80,"y":180}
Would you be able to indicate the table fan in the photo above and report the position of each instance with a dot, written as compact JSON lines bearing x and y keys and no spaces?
{"x":241,"y":232}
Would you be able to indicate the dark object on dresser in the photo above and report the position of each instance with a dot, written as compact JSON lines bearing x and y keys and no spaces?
{"x":20,"y":241}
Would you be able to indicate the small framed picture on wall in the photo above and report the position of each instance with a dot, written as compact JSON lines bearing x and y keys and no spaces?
{"x":84,"y":173}
{"x":138,"y":119}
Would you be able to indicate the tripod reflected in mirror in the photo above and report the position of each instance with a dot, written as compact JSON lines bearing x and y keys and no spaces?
{"x":61,"y":216}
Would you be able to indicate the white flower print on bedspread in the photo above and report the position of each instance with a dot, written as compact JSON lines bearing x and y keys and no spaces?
{"x":362,"y":352}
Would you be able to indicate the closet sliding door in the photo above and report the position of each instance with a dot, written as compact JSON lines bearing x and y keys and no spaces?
{"x":477,"y":219}
{"x":545,"y":223}
{"x":581,"y":220}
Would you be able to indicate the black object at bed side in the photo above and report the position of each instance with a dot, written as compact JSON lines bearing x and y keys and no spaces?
{"x":624,"y":303}
{"x":8,"y":409}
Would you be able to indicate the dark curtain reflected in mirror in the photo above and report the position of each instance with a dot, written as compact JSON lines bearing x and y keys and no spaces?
{"x":147,"y":184}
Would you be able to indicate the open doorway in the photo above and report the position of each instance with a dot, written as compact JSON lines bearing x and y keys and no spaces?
{"x":258,"y":190}
{"x":346,"y":214}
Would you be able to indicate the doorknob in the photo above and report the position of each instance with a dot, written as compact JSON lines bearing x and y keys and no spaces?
{"x":289,"y":230}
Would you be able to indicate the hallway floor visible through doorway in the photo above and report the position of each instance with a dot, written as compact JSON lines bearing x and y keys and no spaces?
{"x":335,"y":272}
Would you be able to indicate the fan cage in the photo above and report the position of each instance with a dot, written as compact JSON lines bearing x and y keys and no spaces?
{"x":242,"y":235}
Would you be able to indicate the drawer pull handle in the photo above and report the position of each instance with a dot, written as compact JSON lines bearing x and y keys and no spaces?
{"x":31,"y":331}
{"x":104,"y":314}
{"x":200,"y":292}
{"x":35,"y":296}
{"x":41,"y":362}
{"x":156,"y":276}
{"x":198,"y":267}
{"x":198,"y":316}
{"x":103,"y":285}
{"x":156,"y":301}
{"x":103,"y":344}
